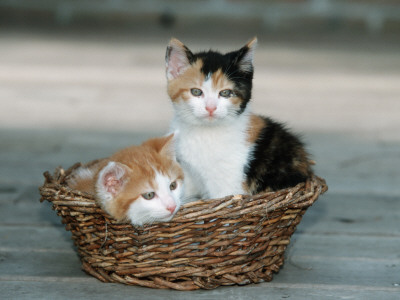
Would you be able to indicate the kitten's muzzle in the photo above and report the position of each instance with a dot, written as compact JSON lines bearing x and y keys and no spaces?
{"x":171,"y":208}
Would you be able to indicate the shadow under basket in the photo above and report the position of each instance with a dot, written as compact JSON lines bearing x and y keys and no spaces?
{"x":233,"y":240}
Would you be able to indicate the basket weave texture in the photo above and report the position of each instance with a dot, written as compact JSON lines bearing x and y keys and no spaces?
{"x":233,"y":240}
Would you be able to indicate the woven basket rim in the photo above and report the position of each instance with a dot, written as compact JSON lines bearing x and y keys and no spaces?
{"x":240,"y":204}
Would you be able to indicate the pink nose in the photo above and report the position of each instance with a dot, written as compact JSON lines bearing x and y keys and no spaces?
{"x":210,"y":109}
{"x":171,"y":208}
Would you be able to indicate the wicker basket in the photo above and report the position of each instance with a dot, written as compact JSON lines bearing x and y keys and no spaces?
{"x":234,"y":240}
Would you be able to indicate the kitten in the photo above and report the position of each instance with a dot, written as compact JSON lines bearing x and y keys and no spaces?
{"x":142,"y":184}
{"x":223,"y":148}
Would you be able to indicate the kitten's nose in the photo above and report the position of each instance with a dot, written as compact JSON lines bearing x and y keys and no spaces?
{"x":171,"y":208}
{"x":211,"y":109}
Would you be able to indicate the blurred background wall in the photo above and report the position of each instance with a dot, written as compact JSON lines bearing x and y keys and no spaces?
{"x":271,"y":16}
{"x":114,"y":49}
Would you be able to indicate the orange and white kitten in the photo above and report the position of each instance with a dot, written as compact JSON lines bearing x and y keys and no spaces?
{"x":142,"y":184}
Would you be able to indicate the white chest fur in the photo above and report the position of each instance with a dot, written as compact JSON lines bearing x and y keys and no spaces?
{"x":213,"y":157}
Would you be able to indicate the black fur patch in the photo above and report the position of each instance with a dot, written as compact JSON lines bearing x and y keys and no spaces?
{"x":274,"y":163}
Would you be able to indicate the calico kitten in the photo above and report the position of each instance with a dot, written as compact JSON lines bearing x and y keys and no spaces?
{"x":142,"y":184}
{"x":223,"y":148}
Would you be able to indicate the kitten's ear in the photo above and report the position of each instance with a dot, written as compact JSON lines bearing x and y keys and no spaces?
{"x":177,"y":58}
{"x":168,"y":146}
{"x":245,"y":56}
{"x":163,"y":145}
{"x":112,"y":178}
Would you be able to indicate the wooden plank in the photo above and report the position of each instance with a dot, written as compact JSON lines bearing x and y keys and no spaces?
{"x":345,"y":271}
{"x":39,"y":264}
{"x":356,"y":163}
{"x":25,"y":209}
{"x":36,"y":238}
{"x":344,"y":246}
{"x":353,"y":215}
{"x":94,"y":289}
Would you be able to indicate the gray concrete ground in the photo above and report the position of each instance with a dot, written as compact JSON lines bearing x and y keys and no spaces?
{"x":67,"y":98}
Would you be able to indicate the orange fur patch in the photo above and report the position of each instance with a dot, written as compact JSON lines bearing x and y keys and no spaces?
{"x":179,"y":88}
{"x":221,"y":82}
{"x":255,"y":126}
{"x":236,"y":100}
{"x":302,"y":162}
{"x":83,"y":184}
{"x":250,"y":44}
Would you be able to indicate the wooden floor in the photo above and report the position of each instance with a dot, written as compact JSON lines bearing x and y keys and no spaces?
{"x":71,"y":98}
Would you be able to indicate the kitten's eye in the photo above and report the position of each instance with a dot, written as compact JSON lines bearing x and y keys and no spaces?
{"x":148,"y":196}
{"x":196,"y":92}
{"x":173,"y":186}
{"x":226,"y":93}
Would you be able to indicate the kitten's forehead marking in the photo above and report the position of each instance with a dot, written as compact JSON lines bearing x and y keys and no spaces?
{"x":221,"y":81}
{"x":216,"y":80}
{"x":208,"y":87}
{"x":163,"y":181}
